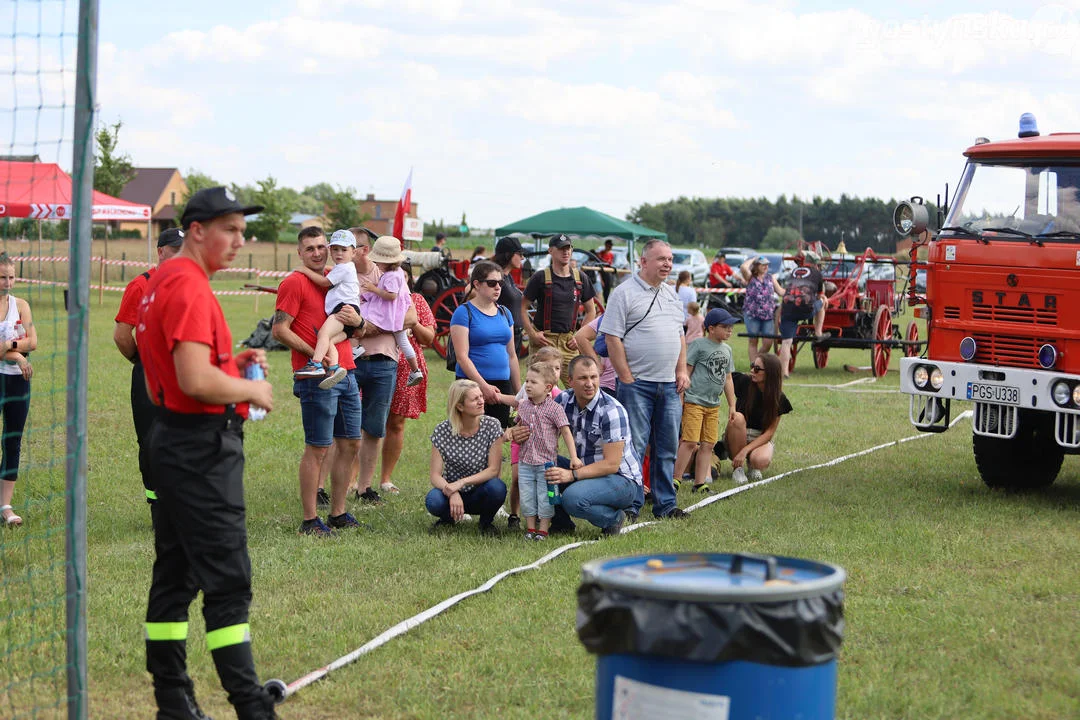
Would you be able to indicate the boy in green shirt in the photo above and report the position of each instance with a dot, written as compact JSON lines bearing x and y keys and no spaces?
{"x":711,"y":363}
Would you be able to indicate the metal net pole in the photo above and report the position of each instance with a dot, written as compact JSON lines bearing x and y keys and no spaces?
{"x":78,"y":335}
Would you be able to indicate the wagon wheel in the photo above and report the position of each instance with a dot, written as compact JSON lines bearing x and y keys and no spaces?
{"x":821,"y":356}
{"x":443,"y":309}
{"x":794,"y":352}
{"x":883,"y":332}
{"x":912,"y":335}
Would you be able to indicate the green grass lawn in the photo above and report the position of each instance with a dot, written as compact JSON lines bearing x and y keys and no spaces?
{"x":961,"y":602}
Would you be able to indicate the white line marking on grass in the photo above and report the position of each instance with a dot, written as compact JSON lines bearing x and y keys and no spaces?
{"x":408,"y":624}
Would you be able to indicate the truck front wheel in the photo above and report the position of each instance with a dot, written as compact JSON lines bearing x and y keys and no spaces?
{"x":1029,"y":461}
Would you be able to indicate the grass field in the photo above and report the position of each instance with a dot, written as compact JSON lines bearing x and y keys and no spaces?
{"x":961,"y":603}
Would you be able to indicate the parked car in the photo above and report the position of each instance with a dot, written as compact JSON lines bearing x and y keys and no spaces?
{"x":623,"y":259}
{"x":692,"y":261}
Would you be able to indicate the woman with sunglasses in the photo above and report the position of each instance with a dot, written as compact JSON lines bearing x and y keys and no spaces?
{"x":759,"y":403}
{"x":483,"y":335}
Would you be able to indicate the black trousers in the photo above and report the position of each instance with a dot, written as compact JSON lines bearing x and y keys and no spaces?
{"x":200,"y":542}
{"x":142,"y":414}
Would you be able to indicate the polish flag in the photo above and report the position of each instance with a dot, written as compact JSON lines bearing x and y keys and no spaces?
{"x":403,"y":208}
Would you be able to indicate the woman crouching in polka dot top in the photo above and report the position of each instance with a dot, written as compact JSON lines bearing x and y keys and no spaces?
{"x":466,"y":459}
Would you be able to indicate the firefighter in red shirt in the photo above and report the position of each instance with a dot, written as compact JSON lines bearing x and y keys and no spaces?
{"x":127,"y":317}
{"x":197,"y":461}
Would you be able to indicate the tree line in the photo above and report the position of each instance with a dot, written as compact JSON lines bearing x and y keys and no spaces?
{"x":765,"y":224}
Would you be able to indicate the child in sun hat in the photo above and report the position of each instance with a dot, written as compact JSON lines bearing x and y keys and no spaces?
{"x":384,"y":305}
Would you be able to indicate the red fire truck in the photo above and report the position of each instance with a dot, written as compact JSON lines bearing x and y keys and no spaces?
{"x":1002,"y":306}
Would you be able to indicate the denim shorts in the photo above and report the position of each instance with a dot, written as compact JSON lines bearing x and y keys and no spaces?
{"x":377,"y":379}
{"x":759,"y":328}
{"x":328,"y":414}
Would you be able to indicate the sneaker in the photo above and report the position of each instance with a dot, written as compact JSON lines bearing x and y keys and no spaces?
{"x":676,"y":514}
{"x":315,"y":527}
{"x":703,"y":489}
{"x":677,"y":483}
{"x":344,"y":520}
{"x":489,"y":530}
{"x":337,"y":374}
{"x":369,"y":497}
{"x":739,"y":476}
{"x":311,"y":371}
{"x":322,"y":500}
{"x":540,"y":536}
{"x":616,"y":527}
{"x":358,"y":351}
{"x":513,"y":522}
{"x":754,"y":475}
{"x":530,"y":534}
{"x":389,"y":488}
{"x":415,"y":378}
{"x":631,"y":517}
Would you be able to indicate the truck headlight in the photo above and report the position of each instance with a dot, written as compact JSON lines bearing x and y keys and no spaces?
{"x":1062,"y":393}
{"x":920,"y":377}
{"x":937,"y":378}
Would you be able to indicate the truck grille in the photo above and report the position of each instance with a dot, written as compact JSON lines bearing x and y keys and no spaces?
{"x":1023,"y":315}
{"x":1009,"y":351}
{"x":952,"y":313}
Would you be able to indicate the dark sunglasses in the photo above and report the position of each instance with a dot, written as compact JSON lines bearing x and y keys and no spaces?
{"x":492,"y":283}
{"x":757,"y":368}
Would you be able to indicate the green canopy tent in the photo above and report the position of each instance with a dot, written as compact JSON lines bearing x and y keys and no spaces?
{"x":581,"y":221}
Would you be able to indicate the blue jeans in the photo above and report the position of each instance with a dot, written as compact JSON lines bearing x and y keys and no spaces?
{"x":756,"y":327}
{"x":377,"y":379}
{"x":532,"y":488}
{"x":655,"y":412}
{"x":327,"y":414}
{"x":599,"y":499}
{"x":483,"y":500}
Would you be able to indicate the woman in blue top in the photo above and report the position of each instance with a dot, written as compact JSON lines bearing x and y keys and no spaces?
{"x":483,"y":335}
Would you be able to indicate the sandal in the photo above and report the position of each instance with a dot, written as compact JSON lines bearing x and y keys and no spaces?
{"x":12,"y":519}
{"x":390,"y":488}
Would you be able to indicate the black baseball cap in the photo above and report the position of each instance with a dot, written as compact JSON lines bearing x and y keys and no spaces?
{"x":508,"y":246}
{"x":214,"y":202}
{"x":170,"y":237}
{"x":559,"y":241}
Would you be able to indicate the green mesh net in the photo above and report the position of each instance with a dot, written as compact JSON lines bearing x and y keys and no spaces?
{"x":37,"y":131}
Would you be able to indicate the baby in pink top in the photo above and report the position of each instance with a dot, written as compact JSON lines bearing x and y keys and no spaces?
{"x":384,"y":305}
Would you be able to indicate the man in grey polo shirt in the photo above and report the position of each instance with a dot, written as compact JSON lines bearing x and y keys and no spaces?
{"x":643,"y":324}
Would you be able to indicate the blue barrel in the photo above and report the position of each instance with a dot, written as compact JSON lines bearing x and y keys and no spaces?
{"x":717,"y":635}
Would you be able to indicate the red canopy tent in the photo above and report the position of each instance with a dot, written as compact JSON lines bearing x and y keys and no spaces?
{"x":42,"y":191}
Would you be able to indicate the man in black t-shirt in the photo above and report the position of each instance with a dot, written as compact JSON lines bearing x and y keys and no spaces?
{"x":804,"y":298}
{"x":557,"y":304}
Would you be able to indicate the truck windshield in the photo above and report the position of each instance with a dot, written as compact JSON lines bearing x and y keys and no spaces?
{"x":1017,"y":202}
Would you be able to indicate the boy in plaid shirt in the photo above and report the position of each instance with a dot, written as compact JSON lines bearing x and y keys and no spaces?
{"x":547,"y":422}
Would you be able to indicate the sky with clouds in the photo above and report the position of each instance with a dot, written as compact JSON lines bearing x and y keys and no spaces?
{"x":508,"y":108}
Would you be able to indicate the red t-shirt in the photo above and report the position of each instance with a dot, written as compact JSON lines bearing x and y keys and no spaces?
{"x":179,"y":306}
{"x":719,"y":270}
{"x":133,"y":295}
{"x":306,"y":303}
{"x":605,"y":257}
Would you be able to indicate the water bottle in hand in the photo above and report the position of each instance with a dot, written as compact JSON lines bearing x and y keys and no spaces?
{"x":254,"y":371}
{"x":554,"y":490}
